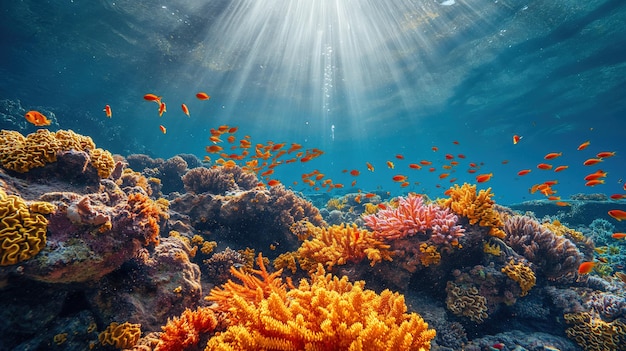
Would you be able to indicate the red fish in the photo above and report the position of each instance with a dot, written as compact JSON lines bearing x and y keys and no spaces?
{"x":606,"y":154}
{"x":483,"y":177}
{"x":355,"y":172}
{"x":203,"y":96}
{"x":152,"y":97}
{"x":561,"y":168}
{"x":596,"y":175}
{"x":414,"y":166}
{"x":583,"y":145}
{"x":552,"y":155}
{"x":37,"y":118}
{"x":185,"y":109}
{"x":163,"y":130}
{"x":585,"y":267}
{"x":523,"y":172}
{"x":544,"y":166}
{"x":272,"y":182}
{"x":618,"y":214}
{"x":594,"y":182}
{"x":400,"y":157}
{"x":618,"y":235}
{"x":162,"y":108}
{"x":369,"y":166}
{"x":399,"y":178}
{"x":618,"y":196}
{"x":592,"y":161}
{"x":516,"y":139}
{"x":107,"y":110}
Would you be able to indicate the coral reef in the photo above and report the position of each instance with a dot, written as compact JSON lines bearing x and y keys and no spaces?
{"x":467,"y":302}
{"x":476,"y":207}
{"x":522,"y":274}
{"x":22,"y":228}
{"x":218,"y":180}
{"x":328,"y":313}
{"x":594,"y":334}
{"x":185,"y":331}
{"x":120,"y":335}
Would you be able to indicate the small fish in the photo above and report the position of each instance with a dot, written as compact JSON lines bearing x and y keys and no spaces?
{"x":203,"y":96}
{"x":273,"y":182}
{"x":562,"y":203}
{"x":213,"y":149}
{"x":471,"y":170}
{"x":107,"y":110}
{"x":399,"y":178}
{"x":369,"y":166}
{"x":523,"y":172}
{"x":596,"y":175}
{"x":443,"y":175}
{"x":585,"y":267}
{"x":152,"y":97}
{"x":618,"y":214}
{"x":435,"y":149}
{"x":605,"y":154}
{"x":449,"y":157}
{"x":516,"y":139}
{"x":460,"y":156}
{"x":544,"y":166}
{"x":561,"y":168}
{"x":426,"y":163}
{"x":583,"y":145}
{"x":162,"y":108}
{"x":594,"y":182}
{"x":390,"y":165}
{"x":162,"y":128}
{"x":618,"y":235}
{"x":552,"y":155}
{"x":498,"y":346}
{"x":415,"y":166}
{"x":483,"y":177}
{"x":37,"y":118}
{"x":400,"y":157}
{"x":185,"y":110}
{"x":592,"y":161}
{"x":370,"y":195}
{"x":355,"y":172}
{"x":618,"y":196}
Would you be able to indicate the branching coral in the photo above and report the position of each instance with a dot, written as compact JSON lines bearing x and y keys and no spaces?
{"x":412,"y":216}
{"x":184,"y":331}
{"x":122,"y":336}
{"x":467,"y":302}
{"x":555,"y":256}
{"x":477,"y":207}
{"x":148,"y":213}
{"x":22,"y":232}
{"x":522,"y":274}
{"x":327,"y":314}
{"x":594,"y":334}
{"x":339,"y":244}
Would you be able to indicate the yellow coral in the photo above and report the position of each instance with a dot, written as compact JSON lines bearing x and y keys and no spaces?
{"x":559,"y":229}
{"x":430,"y":255}
{"x":122,"y":336}
{"x":286,"y":260}
{"x":336,"y":204}
{"x":370,"y":209}
{"x":22,"y":233}
{"x":60,"y":338}
{"x":522,"y":274}
{"x":492,"y":249}
{"x":478,"y":208}
{"x":327,"y":314}
{"x":594,"y":334}
{"x":102,"y":161}
{"x":466,"y":302}
{"x":338,"y":244}
{"x":42,"y":207}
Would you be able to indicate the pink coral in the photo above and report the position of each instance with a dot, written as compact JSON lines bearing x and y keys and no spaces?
{"x":412,"y":216}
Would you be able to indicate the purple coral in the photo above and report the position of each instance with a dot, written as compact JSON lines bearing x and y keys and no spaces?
{"x":412,"y":216}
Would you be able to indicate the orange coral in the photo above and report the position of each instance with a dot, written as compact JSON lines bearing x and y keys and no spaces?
{"x":22,"y":232}
{"x":477,"y":207}
{"x":327,"y":314}
{"x":122,"y":336}
{"x":522,"y":274}
{"x":338,"y":244}
{"x":149,"y":213}
{"x":594,"y":334}
{"x":184,"y":331}
{"x":429,"y":255}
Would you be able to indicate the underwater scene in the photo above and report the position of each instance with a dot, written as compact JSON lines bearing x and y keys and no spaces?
{"x":313,"y":175}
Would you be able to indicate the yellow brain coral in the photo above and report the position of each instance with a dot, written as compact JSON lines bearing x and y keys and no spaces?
{"x":327,"y":314}
{"x":338,"y":244}
{"x":477,"y":207}
{"x":522,"y":274}
{"x":22,"y":233}
{"x":122,"y":336}
{"x":466,"y":302}
{"x":594,"y":334}
{"x":21,"y":154}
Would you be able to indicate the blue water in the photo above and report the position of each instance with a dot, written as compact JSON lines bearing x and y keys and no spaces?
{"x":362,"y":81}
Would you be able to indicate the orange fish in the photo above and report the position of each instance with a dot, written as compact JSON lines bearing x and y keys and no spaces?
{"x":399,"y":178}
{"x":471,"y":170}
{"x":618,"y":196}
{"x":37,"y":118}
{"x":596,"y":175}
{"x":162,"y":109}
{"x":369,"y":166}
{"x":390,"y":165}
{"x":267,"y":173}
{"x":163,"y":130}
{"x":544,"y":166}
{"x":400,"y":157}
{"x":483,"y":177}
{"x":562,"y":203}
{"x":618,"y":214}
{"x":272,"y":182}
{"x":414,"y":166}
{"x":152,"y":97}
{"x":432,"y":169}
{"x":353,"y":183}
{"x":405,"y":184}
{"x":231,"y":139}
{"x":460,"y":156}
{"x":583,"y":145}
{"x":561,"y":168}
{"x":516,"y":139}
{"x":523,"y":172}
{"x":434,"y":148}
{"x":449,"y":157}
{"x":606,"y":154}
{"x":185,"y":110}
{"x":455,"y":142}
{"x":213,"y":149}
{"x":215,"y":139}
{"x":355,"y":172}
{"x":585,"y":267}
{"x":552,"y":155}
{"x":425,"y":163}
{"x":618,"y":235}
{"x":443,"y":175}
{"x":203,"y":96}
{"x":594,"y":182}
{"x":107,"y":110}
{"x":592,"y":161}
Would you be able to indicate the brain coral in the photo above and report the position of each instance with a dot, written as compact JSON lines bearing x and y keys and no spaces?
{"x":22,"y":232}
{"x":594,"y":334}
{"x":121,"y":336}
{"x":477,"y":207}
{"x":522,"y":274}
{"x":466,"y":302}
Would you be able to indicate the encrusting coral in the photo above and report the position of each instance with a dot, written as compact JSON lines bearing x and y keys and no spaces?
{"x":412,"y":216}
{"x":339,"y":244}
{"x":326,"y":314}
{"x":522,"y":274}
{"x":121,"y":336}
{"x":594,"y":334}
{"x":476,"y":207}
{"x":22,"y":230}
{"x":467,"y":302}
